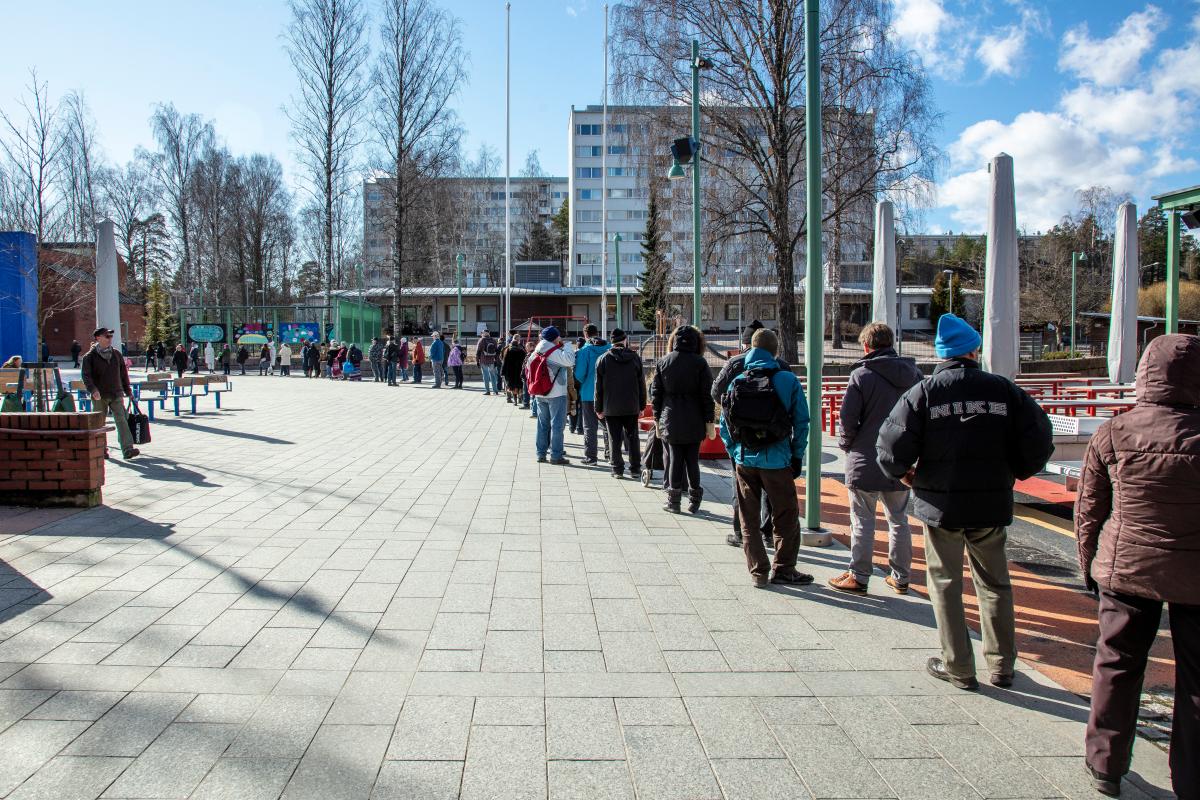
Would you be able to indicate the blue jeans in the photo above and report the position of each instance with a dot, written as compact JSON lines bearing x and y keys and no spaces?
{"x":416,"y":373}
{"x":491,"y":378}
{"x":403,"y":373}
{"x":391,"y":372}
{"x":439,"y":373}
{"x":551,"y":419}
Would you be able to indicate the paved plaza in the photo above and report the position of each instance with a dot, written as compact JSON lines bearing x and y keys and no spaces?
{"x":332,"y":590}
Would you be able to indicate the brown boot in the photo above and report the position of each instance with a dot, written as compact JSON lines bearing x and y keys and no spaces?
{"x":846,"y":582}
{"x":897,"y":586}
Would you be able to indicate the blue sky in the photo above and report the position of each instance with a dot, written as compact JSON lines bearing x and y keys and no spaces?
{"x":1079,"y":93}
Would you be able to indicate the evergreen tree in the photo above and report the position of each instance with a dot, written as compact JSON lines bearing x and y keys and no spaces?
{"x":1152,"y":245}
{"x":538,"y":244}
{"x":561,"y":224}
{"x":656,"y":274}
{"x":939,"y":300}
{"x":160,"y":322}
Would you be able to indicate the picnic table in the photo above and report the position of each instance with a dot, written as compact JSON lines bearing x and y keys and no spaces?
{"x":1097,"y":390}
{"x":1071,"y":407}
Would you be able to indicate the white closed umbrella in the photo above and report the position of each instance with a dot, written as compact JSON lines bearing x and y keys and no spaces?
{"x":1002,"y":287}
{"x":883,"y":292}
{"x":1122,"y":329}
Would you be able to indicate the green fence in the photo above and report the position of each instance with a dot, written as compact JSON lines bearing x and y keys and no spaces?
{"x":356,"y":322}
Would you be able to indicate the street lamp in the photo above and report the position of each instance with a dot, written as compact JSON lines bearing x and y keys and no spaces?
{"x":684,"y":151}
{"x":1075,"y":259}
{"x":459,"y":260}
{"x":949,"y":273}
{"x":617,"y":255}
{"x":738,"y":272}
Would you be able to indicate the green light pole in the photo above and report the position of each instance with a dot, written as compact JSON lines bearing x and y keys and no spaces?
{"x":617,"y":249}
{"x":1075,"y":259}
{"x":814,"y":310}
{"x":459,"y":261}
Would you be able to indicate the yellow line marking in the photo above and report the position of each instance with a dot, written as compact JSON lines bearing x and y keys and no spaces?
{"x":1044,"y":520}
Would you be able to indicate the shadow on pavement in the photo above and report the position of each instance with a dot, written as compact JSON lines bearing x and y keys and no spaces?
{"x":179,"y":423}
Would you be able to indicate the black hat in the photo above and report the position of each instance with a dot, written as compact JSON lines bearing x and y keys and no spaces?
{"x":102,"y":332}
{"x":748,"y":333}
{"x":617,"y":335}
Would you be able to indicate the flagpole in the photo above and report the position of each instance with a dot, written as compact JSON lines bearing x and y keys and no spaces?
{"x":507,"y":171}
{"x":604,"y":192}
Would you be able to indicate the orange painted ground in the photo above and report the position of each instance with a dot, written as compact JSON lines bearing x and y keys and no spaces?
{"x":1056,"y":623}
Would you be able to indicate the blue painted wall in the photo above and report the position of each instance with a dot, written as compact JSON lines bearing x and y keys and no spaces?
{"x":18,"y":296}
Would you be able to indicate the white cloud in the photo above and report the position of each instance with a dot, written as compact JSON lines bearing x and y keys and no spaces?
{"x":926,"y":27}
{"x":1114,"y":60}
{"x":1001,"y":52}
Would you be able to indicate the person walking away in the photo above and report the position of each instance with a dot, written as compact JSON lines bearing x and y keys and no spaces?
{"x":486,"y":353}
{"x":526,"y":398}
{"x":45,"y":352}
{"x":226,"y":358}
{"x":585,"y":373}
{"x":764,"y":425}
{"x":274,"y":356}
{"x":684,"y":413}
{"x":876,"y":382}
{"x":243,"y":356}
{"x":511,"y":366}
{"x":620,"y":397}
{"x":314,"y":360}
{"x":160,"y":354}
{"x":331,"y":356}
{"x":179,"y":360}
{"x":733,"y":367}
{"x":575,"y":421}
{"x":210,"y":357}
{"x":391,"y":357}
{"x":1137,"y":523}
{"x":437,"y":357}
{"x":76,"y":349}
{"x":285,"y":360}
{"x":107,"y":380}
{"x":959,"y":438}
{"x":418,"y":359}
{"x":194,"y":357}
{"x":402,"y":364}
{"x":455,"y":361}
{"x":547,"y":376}
{"x":375,"y":356}
{"x":264,"y":359}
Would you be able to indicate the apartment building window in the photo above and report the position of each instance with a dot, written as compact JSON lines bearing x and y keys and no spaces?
{"x":588,"y":237}
{"x":767,"y":311}
{"x":588,"y":150}
{"x":487,"y":313}
{"x":617,"y":128}
{"x":628,"y":194}
{"x":633,"y":214}
{"x":588,"y":194}
{"x":374,"y":197}
{"x":731,"y":312}
{"x":918,"y":310}
{"x":617,"y":150}
{"x":622,"y":172}
{"x":589,"y":216}
{"x":588,"y":172}
{"x":589,"y":130}
{"x":587,"y":259}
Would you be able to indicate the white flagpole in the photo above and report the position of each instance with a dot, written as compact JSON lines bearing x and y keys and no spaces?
{"x":507,"y":172}
{"x":604,"y":192}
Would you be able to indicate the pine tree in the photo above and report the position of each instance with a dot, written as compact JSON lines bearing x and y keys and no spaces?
{"x":538,"y":244}
{"x":160,"y":322}
{"x":656,"y":274}
{"x":939,"y":299}
{"x":561,"y":224}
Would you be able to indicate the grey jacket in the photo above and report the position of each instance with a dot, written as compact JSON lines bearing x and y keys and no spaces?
{"x":876,"y":383}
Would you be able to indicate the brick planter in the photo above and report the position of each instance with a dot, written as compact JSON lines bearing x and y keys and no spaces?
{"x":52,"y":459}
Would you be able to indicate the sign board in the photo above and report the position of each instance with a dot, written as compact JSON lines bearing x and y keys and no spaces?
{"x":207,"y":332}
{"x":296,"y":332}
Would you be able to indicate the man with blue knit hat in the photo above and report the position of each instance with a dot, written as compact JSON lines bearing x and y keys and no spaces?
{"x":960,"y":438}
{"x":546,"y":376}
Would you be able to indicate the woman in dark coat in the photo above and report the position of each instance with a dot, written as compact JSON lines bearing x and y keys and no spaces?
{"x":242,"y":357}
{"x":684,"y":413}
{"x":179,"y":360}
{"x":514,"y":359}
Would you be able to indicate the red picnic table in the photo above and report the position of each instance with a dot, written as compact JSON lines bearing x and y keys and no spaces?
{"x":1071,"y":407}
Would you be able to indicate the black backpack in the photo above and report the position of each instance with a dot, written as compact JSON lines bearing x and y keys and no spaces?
{"x":490,"y":348}
{"x":754,"y":414}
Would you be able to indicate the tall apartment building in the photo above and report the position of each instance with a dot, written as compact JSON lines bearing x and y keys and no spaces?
{"x":472,"y":222}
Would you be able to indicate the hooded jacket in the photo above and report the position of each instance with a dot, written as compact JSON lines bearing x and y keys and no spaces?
{"x":1137,"y":516}
{"x":876,"y":383}
{"x":970,"y":434}
{"x":780,"y":454}
{"x":585,"y":367}
{"x":620,"y":389}
{"x":559,"y":363}
{"x":680,"y":392}
{"x":733,"y":367}
{"x":511,"y":366}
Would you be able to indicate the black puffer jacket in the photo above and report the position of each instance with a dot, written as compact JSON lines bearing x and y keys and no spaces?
{"x":876,"y":383}
{"x":680,"y":391}
{"x":620,"y":383}
{"x":970,"y":434}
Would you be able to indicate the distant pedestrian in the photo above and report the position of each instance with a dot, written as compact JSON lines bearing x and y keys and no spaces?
{"x":194,"y":357}
{"x":437,"y":357}
{"x":733,"y":367}
{"x":764,"y":425}
{"x":684,"y":413}
{"x":210,"y":357}
{"x":455,"y":361}
{"x":274,"y":355}
{"x":402,"y":363}
{"x":620,"y":396}
{"x":160,"y":355}
{"x":547,"y":375}
{"x":331,"y":357}
{"x":1137,"y":522}
{"x":487,"y":351}
{"x":391,"y":357}
{"x":418,"y":359}
{"x":585,"y":374}
{"x":226,"y":358}
{"x":876,"y":382}
{"x":179,"y":360}
{"x":76,"y":349}
{"x":510,"y":366}
{"x":45,"y":352}
{"x":264,"y":360}
{"x":526,"y":398}
{"x":107,"y":380}
{"x":375,"y":357}
{"x":959,"y":438}
{"x":285,"y":360}
{"x":243,"y":355}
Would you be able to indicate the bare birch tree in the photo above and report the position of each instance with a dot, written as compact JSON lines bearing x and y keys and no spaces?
{"x":420,"y":68}
{"x":33,"y":146}
{"x":328,"y":46}
{"x":182,"y":140}
{"x":82,"y":167}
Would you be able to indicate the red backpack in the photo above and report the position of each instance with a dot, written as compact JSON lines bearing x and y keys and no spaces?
{"x":537,"y":375}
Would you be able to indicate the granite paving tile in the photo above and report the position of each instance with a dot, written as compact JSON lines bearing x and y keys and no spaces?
{"x":131,"y":725}
{"x":668,"y":763}
{"x":29,"y":744}
{"x":505,"y":763}
{"x":418,"y":780}
{"x":432,"y":728}
{"x":341,"y":762}
{"x":71,"y":778}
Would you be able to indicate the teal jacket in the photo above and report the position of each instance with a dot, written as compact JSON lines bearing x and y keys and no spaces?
{"x":780,"y":454}
{"x":585,"y":368}
{"x":437,"y":350}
